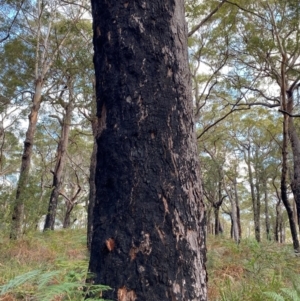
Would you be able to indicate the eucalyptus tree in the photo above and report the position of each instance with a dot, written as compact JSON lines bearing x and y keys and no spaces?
{"x":212,"y":154}
{"x":267,"y":71}
{"x":261,"y":47}
{"x":75,"y":66}
{"x":9,"y":12}
{"x":37,"y":31}
{"x":149,"y":225}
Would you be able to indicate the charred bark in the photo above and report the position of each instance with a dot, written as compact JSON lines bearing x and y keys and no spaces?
{"x":149,"y":229}
{"x":92,"y":195}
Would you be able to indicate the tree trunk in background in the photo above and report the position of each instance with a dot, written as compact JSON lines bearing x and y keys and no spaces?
{"x":278,"y":220}
{"x":92,"y":196}
{"x":267,"y":218}
{"x":238,"y":215}
{"x":149,"y":228}
{"x":216,"y":206}
{"x":255,"y":201}
{"x":61,"y":154}
{"x":257,"y":198}
{"x":18,"y":208}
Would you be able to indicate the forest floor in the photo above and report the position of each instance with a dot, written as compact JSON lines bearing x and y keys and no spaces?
{"x":52,"y":266}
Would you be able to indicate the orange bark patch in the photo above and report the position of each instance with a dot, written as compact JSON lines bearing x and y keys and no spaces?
{"x":110,"y":244}
{"x":132,"y":253}
{"x":125,"y":295}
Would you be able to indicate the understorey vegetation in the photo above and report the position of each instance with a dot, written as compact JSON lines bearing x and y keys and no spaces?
{"x":130,"y":132}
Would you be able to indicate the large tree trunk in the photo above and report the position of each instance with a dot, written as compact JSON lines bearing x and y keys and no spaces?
{"x":58,"y":172}
{"x":149,"y":229}
{"x":18,"y":208}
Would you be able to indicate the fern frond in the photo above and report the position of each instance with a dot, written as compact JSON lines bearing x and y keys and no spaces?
{"x":274,"y":296}
{"x":53,"y":291}
{"x":45,"y":278}
{"x":19,"y":280}
{"x":291,"y":294}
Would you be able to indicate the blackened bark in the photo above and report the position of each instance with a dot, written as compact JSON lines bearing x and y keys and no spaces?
{"x":92,"y":195}
{"x":149,"y":230}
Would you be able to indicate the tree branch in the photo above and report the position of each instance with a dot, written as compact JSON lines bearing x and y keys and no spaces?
{"x":12,"y":23}
{"x":289,"y":114}
{"x":206,"y":18}
{"x":219,"y":120}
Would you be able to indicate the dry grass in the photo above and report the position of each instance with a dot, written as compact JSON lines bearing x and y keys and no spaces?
{"x":43,"y":251}
{"x":235,"y":272}
{"x":246,"y":271}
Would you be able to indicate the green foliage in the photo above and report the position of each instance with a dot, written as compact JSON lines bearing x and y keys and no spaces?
{"x":46,"y":267}
{"x":51,"y":284}
{"x":285,"y":294}
{"x":251,"y":271}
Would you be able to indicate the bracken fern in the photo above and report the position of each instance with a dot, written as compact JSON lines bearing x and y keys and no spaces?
{"x":286,"y":294}
{"x":53,"y":284}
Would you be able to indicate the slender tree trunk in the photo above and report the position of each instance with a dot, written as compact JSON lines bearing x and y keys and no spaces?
{"x":217,"y":205}
{"x":58,"y":172}
{"x":67,"y":218}
{"x":234,"y":231}
{"x":238,"y":215}
{"x":234,"y":210}
{"x":149,"y":229}
{"x":255,"y":202}
{"x":277,"y":221}
{"x":18,"y":208}
{"x":267,"y":218}
{"x":217,"y":221}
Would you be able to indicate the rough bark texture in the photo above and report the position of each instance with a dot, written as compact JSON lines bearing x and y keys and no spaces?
{"x":18,"y":209}
{"x":92,"y":195}
{"x":283,"y":186}
{"x":149,"y":229}
{"x":286,"y":106}
{"x":295,"y":144}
